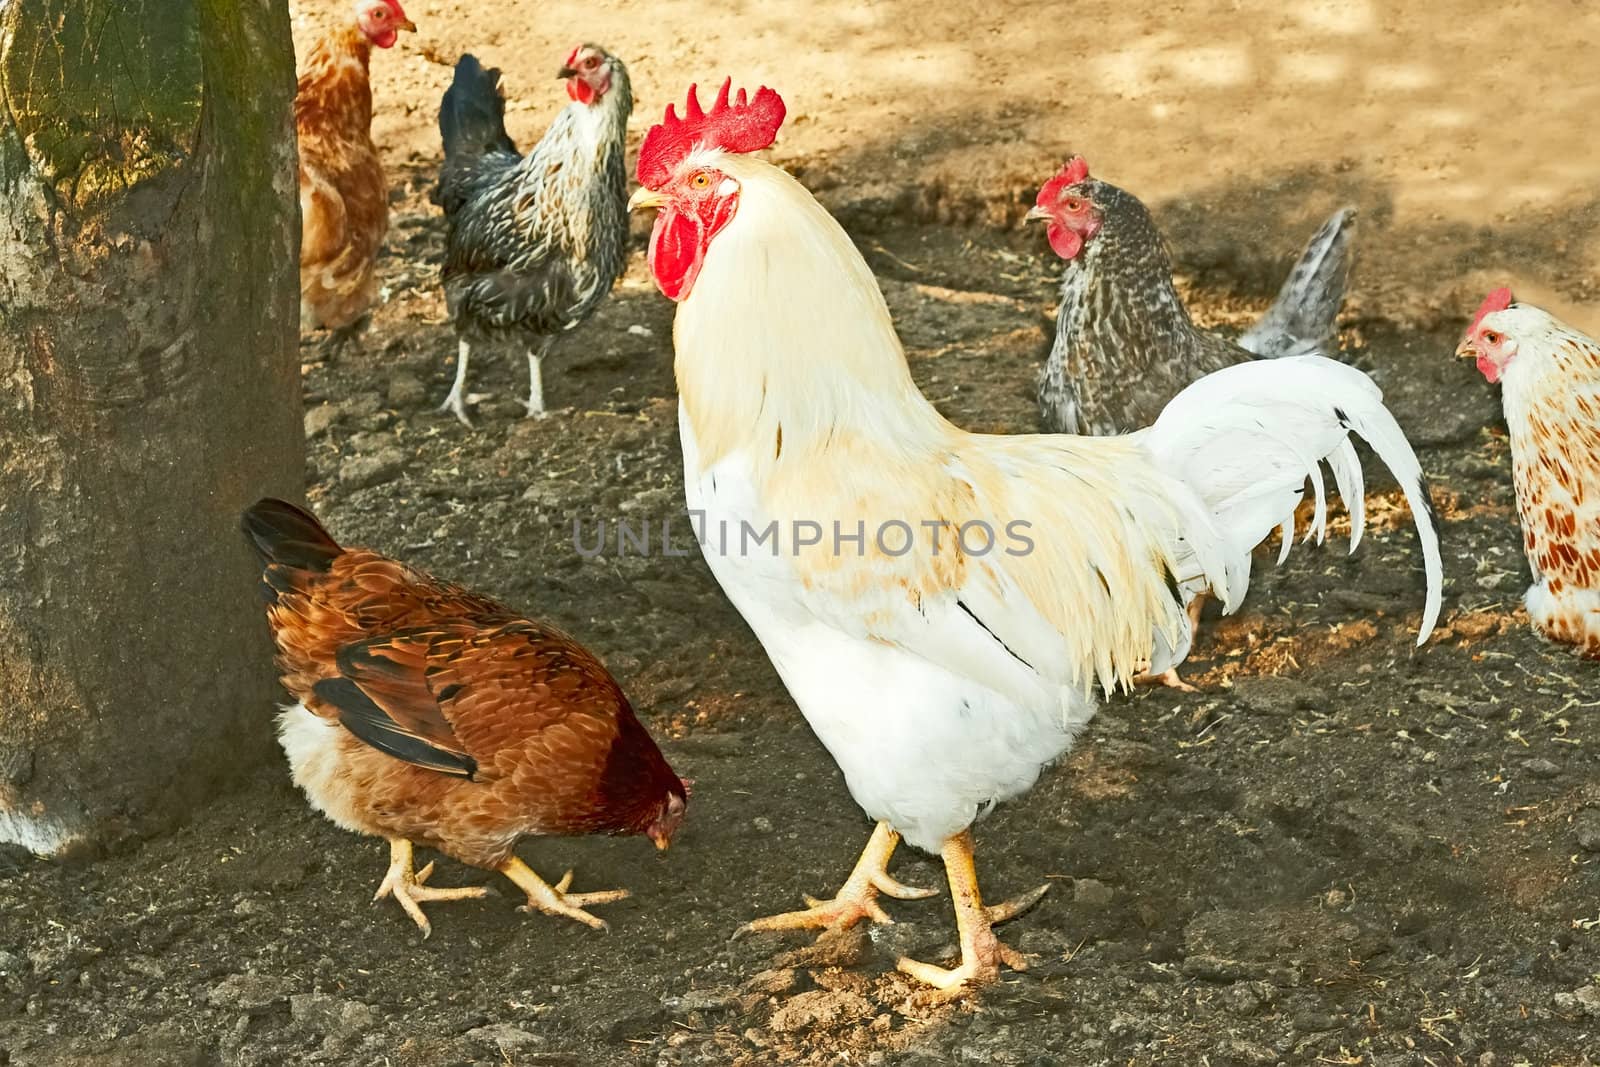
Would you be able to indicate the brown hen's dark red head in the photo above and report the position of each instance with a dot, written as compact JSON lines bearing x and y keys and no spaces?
{"x":639,"y":793}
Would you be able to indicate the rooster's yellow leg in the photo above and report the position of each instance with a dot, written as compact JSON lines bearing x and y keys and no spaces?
{"x":408,"y":889}
{"x":1170,"y":678}
{"x":857,"y":899}
{"x":554,"y":899}
{"x":982,"y":952}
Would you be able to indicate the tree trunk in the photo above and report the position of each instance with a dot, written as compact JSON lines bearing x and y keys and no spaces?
{"x":149,"y":390}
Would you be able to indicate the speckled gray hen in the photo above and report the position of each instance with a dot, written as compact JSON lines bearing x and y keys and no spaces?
{"x":536,"y":241}
{"x":1125,"y":345}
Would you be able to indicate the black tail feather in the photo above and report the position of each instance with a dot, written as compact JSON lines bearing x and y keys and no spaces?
{"x":284,"y":534}
{"x":472,"y":116}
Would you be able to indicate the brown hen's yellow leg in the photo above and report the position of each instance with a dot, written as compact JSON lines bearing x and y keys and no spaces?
{"x":857,"y":899}
{"x":982,"y":952}
{"x":408,"y":888}
{"x":554,"y":899}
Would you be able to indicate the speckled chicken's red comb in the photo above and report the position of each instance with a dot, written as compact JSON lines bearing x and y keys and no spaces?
{"x":1498,"y":300}
{"x":1075,"y":171}
{"x":740,"y":126}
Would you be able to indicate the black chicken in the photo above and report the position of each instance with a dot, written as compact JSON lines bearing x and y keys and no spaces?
{"x":536,"y":241}
{"x":1124,"y":343}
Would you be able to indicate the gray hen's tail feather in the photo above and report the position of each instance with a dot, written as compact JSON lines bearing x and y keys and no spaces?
{"x":1301,"y":321}
{"x":472,"y":124}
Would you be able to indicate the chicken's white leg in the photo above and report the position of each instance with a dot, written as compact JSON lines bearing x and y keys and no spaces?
{"x":455,"y":403}
{"x":536,"y":380}
{"x":857,"y":899}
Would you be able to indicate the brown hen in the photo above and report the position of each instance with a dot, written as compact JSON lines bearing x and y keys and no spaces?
{"x":344,"y":199}
{"x":428,"y":714}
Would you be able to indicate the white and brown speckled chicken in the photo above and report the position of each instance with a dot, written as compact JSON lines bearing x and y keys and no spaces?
{"x":428,"y":714}
{"x":344,"y":199}
{"x":536,"y":241}
{"x":1125,"y":344}
{"x":1549,"y":377}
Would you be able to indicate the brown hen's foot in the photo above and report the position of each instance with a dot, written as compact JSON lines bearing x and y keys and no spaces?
{"x":408,"y":889}
{"x":982,"y":953}
{"x":554,"y":899}
{"x":857,"y":899}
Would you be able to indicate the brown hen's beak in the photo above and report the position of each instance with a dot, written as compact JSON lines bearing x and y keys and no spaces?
{"x":407,"y":25}
{"x":1466,"y":350}
{"x":643,"y":197}
{"x":564,"y":73}
{"x":1036,"y":214}
{"x":663,"y":841}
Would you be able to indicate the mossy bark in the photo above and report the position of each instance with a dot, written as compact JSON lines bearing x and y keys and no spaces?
{"x":149,"y":390}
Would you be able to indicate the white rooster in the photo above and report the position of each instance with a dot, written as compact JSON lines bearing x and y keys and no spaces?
{"x":945,"y":631}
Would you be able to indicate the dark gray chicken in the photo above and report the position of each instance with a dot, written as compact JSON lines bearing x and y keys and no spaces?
{"x":536,"y":241}
{"x":1124,"y":343}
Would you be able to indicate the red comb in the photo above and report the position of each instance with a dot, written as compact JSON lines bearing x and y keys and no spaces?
{"x":394,"y":5}
{"x":1075,"y":171}
{"x":742,"y":126}
{"x":1498,"y":300}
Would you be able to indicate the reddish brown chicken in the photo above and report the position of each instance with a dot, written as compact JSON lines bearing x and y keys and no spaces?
{"x":344,"y":199}
{"x":428,"y":714}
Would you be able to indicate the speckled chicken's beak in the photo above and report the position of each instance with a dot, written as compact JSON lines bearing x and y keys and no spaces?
{"x":643,"y":197}
{"x":1466,"y":350}
{"x":1036,"y":214}
{"x":564,"y":73}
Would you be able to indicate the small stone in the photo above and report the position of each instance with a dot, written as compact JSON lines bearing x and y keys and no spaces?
{"x":1214,"y":968}
{"x":701,"y":1000}
{"x":762,"y":824}
{"x":319,"y":420}
{"x":774,"y":982}
{"x":1588,"y":830}
{"x":331,"y":1016}
{"x":505,"y":1037}
{"x":250,"y":993}
{"x":12,"y":964}
{"x":1541,"y":768}
{"x":638,"y":330}
{"x":362,"y":472}
{"x":406,"y":390}
{"x":1091,"y":892}
{"x":1495,"y":579}
{"x":1588,"y":999}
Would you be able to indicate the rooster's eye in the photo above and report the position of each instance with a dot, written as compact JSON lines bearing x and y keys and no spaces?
{"x":700,"y":180}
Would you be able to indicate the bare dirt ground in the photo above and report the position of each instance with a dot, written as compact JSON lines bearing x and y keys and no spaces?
{"x":1344,"y":850}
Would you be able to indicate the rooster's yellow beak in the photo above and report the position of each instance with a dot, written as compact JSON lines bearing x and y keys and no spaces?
{"x":643,"y":197}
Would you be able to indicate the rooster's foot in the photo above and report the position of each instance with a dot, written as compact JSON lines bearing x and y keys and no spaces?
{"x":857,"y":899}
